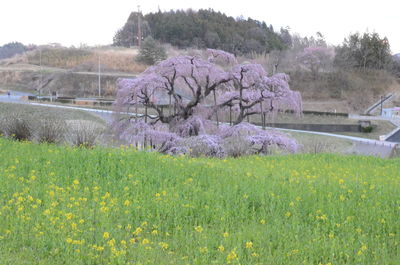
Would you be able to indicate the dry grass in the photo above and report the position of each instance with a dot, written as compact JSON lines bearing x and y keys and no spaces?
{"x":112,"y":59}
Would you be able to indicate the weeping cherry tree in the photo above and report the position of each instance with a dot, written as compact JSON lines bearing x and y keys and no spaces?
{"x":170,"y":106}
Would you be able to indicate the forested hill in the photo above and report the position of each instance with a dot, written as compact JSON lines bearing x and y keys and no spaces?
{"x":203,"y":28}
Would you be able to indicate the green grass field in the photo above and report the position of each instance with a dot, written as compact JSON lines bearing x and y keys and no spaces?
{"x":63,"y":205}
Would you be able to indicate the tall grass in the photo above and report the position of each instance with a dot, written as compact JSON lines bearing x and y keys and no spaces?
{"x":62,"y":205}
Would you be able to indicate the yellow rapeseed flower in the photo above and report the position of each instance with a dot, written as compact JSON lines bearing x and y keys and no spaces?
{"x":249,"y":244}
{"x":232,"y":256}
{"x":106,"y":235}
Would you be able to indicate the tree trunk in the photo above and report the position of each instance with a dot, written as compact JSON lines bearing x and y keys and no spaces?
{"x":216,"y":109}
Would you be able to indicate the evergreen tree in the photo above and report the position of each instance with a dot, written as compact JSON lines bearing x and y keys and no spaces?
{"x":151,"y":52}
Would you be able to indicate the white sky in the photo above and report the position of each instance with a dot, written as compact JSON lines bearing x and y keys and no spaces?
{"x":92,"y":22}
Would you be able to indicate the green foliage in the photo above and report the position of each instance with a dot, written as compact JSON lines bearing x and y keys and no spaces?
{"x":367,"y":129}
{"x":364,"y":51}
{"x":151,"y":52}
{"x":127,"y":35}
{"x":63,"y":205}
{"x":204,"y":28}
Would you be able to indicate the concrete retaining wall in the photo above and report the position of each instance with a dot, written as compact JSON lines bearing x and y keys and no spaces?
{"x":318,"y":127}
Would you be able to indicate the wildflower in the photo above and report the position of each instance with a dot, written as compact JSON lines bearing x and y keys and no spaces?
{"x":100,"y":248}
{"x":163,"y":245}
{"x":263,"y":222}
{"x":76,"y":182}
{"x":203,"y":249}
{"x":69,"y":216}
{"x":221,"y":248}
{"x":198,"y":229}
{"x":145,"y":241}
{"x":225,"y":234}
{"x":249,"y":244}
{"x":137,"y":231}
{"x":106,"y":235}
{"x":232,"y":256}
{"x":111,"y":242}
{"x":69,"y":240}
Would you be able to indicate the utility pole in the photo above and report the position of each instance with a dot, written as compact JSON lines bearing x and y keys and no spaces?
{"x":139,"y":32}
{"x":99,"y":78}
{"x":41,"y":71}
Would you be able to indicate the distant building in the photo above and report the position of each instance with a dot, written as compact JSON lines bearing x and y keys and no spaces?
{"x":391,"y":112}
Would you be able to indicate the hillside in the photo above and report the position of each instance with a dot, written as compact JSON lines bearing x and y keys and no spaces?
{"x":74,"y":72}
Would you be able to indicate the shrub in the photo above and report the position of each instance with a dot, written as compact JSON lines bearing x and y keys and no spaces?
{"x":18,"y":127}
{"x":50,"y":131}
{"x":84,"y":134}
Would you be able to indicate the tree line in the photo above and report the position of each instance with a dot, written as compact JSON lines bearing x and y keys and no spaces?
{"x":203,"y":29}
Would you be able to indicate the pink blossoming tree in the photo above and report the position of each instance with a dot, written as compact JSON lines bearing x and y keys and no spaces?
{"x":315,"y":58}
{"x":178,"y":97}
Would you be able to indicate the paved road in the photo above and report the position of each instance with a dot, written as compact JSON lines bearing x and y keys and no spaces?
{"x":15,"y":97}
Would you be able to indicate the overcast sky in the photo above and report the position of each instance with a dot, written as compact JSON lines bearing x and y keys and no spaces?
{"x":92,"y":22}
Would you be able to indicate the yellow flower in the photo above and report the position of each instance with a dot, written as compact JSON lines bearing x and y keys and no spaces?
{"x":203,"y":249}
{"x":69,"y":216}
{"x":249,"y":244}
{"x":221,"y":248}
{"x":226,"y":234}
{"x":106,"y":235}
{"x":100,"y":248}
{"x":69,"y":240}
{"x":198,"y":229}
{"x":137,"y":231}
{"x":111,"y":243}
{"x":145,"y":241}
{"x":163,"y":245}
{"x":127,"y":203}
{"x":76,"y":182}
{"x":231,"y":256}
{"x":288,"y":214}
{"x":263,"y":222}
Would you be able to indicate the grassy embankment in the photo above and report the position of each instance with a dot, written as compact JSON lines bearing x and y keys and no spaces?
{"x":62,"y":205}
